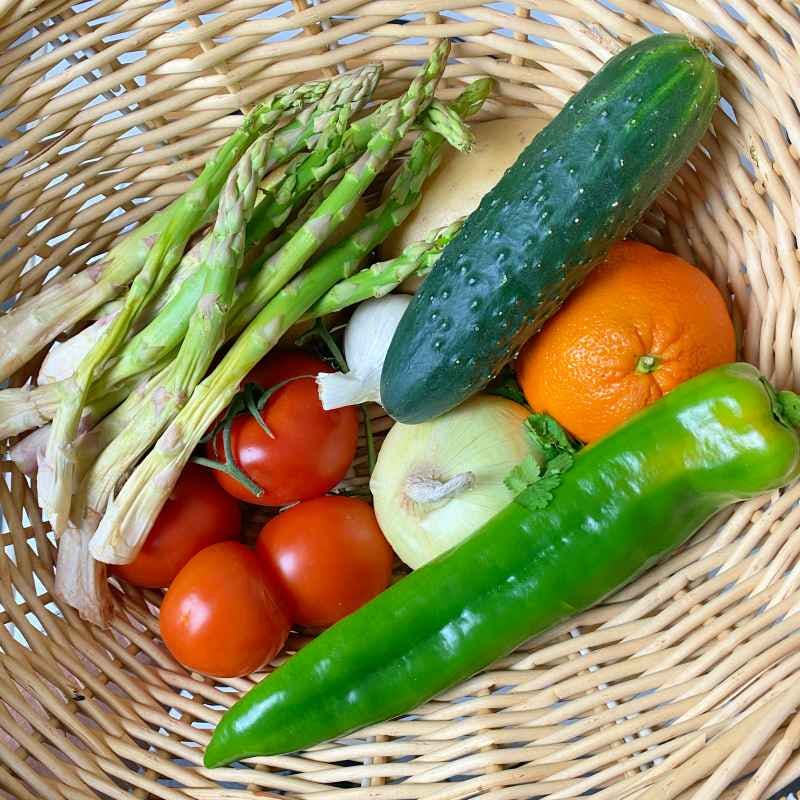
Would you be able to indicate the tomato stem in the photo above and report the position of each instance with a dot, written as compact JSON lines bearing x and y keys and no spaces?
{"x":254,"y":405}
{"x":370,"y":439}
{"x":321,"y":331}
{"x":230,"y":468}
{"x":252,"y":399}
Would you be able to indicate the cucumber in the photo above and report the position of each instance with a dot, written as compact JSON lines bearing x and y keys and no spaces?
{"x":580,"y":185}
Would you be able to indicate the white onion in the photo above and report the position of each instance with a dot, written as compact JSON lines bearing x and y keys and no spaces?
{"x":437,"y":482}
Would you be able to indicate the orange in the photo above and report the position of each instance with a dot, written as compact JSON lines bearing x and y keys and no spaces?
{"x":642,"y":322}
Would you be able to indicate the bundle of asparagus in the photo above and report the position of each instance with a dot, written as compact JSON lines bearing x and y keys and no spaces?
{"x":129,"y":397}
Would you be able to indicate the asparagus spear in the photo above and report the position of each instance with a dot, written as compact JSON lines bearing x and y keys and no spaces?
{"x":205,"y":332}
{"x":132,"y":513}
{"x":38,"y":320}
{"x":437,"y":118}
{"x":56,"y":473}
{"x":29,"y":407}
{"x":339,"y":152}
{"x":81,"y":581}
{"x":27,"y":452}
{"x":448,"y":120}
{"x":275,"y":207}
{"x":130,"y":516}
{"x":303,"y":215}
{"x":382,"y":278}
{"x":405,"y":194}
{"x":95,"y":440}
{"x":345,"y":95}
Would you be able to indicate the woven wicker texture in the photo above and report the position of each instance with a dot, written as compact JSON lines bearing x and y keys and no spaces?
{"x":677,"y":687}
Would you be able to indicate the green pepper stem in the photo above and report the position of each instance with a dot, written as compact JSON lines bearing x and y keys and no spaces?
{"x":789,"y":407}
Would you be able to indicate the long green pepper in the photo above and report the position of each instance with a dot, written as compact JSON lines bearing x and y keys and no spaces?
{"x":627,"y":500}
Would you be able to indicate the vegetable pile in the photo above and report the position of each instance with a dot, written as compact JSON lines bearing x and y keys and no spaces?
{"x":231,"y":351}
{"x":188,"y":305}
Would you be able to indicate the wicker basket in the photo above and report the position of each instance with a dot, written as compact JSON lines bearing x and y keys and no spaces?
{"x":684,"y":684}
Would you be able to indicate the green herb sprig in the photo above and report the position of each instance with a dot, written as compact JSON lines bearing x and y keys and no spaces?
{"x":533,"y":481}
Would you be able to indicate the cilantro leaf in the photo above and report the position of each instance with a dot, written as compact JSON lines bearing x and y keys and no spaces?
{"x":559,"y":464}
{"x":532,"y":483}
{"x":539,"y":495}
{"x":523,"y":475}
{"x":548,"y":435}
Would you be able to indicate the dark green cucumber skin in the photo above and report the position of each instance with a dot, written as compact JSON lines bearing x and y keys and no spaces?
{"x":580,"y":185}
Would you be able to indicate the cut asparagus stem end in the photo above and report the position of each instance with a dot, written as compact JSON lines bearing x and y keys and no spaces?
{"x":22,"y":409}
{"x":26,"y":452}
{"x":81,"y":582}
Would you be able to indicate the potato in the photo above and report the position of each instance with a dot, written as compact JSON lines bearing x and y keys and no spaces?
{"x":463,"y":179}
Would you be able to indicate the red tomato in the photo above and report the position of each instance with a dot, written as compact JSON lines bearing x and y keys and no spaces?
{"x":197,"y":515}
{"x":219,"y":616}
{"x":327,"y":557}
{"x":312,"y":449}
